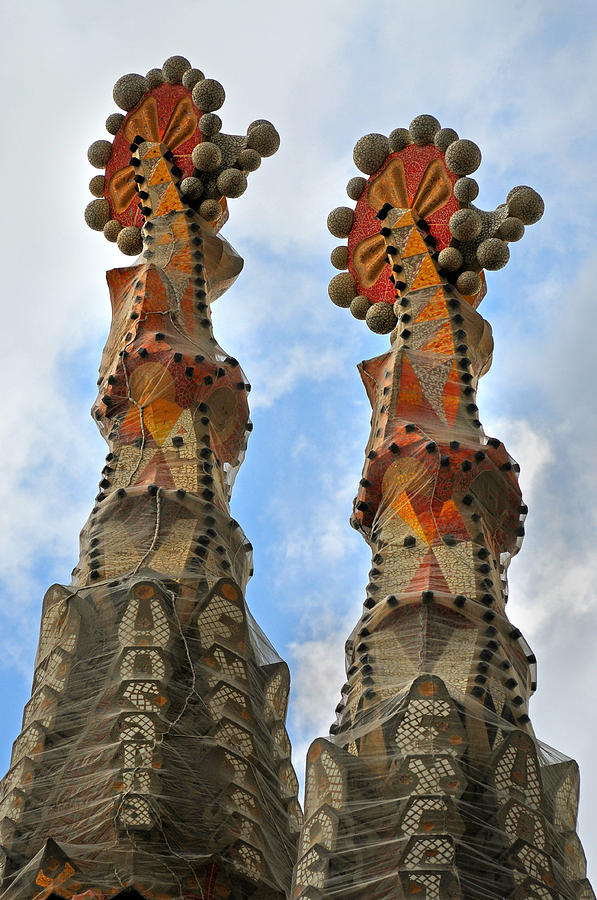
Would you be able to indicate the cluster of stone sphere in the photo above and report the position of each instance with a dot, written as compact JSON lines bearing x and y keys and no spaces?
{"x":479,"y":238}
{"x":221,"y":161}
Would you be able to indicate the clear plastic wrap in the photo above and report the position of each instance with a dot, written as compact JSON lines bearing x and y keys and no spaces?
{"x":432,"y":783}
{"x":154,"y":754}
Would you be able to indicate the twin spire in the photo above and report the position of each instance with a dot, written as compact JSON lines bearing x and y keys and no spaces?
{"x":174,"y":106}
{"x":426,"y":170}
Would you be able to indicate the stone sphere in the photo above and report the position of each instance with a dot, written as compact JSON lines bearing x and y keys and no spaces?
{"x":99,"y":153}
{"x":342,"y":289}
{"x":463,"y":157}
{"x":249,"y":160}
{"x":174,"y":68}
{"x":129,"y":240}
{"x":445,"y":137}
{"x":423,"y":129}
{"x":525,"y":204}
{"x":191,"y":187}
{"x":154,"y":78}
{"x":128,"y":90}
{"x":380,"y":318}
{"x":466,"y":190}
{"x":210,"y":210}
{"x":208,"y":95}
{"x":356,"y":186}
{"x":370,"y":152}
{"x":97,"y":213}
{"x":468,"y":283}
{"x":264,"y":138}
{"x":399,"y":139}
{"x":359,"y":306}
{"x":210,"y":123}
{"x":113,"y":122}
{"x":232,"y":183}
{"x":465,"y":224}
{"x":511,"y":229}
{"x":339,"y":257}
{"x":450,"y":258}
{"x":112,"y":229}
{"x":340,"y":221}
{"x":493,"y":254}
{"x":192,"y":77}
{"x":97,"y":185}
{"x":256,"y":123}
{"x":206,"y":156}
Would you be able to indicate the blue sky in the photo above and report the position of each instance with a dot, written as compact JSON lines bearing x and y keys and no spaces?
{"x":516,"y":77}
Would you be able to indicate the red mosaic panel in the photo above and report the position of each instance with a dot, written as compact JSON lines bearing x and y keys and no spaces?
{"x":415,"y":160}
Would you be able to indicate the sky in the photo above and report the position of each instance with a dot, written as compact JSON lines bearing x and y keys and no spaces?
{"x":516,"y":77}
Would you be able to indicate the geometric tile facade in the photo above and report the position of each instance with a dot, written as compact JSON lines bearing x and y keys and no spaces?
{"x":432,"y":783}
{"x":154,"y":756}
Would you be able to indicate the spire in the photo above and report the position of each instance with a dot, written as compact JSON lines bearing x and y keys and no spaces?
{"x":432,"y":782}
{"x":154,"y":757}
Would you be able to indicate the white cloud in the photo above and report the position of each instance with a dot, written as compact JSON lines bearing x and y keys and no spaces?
{"x":531,"y":449}
{"x":518,"y":82}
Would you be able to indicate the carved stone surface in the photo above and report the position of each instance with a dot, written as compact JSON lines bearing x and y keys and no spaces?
{"x":439,"y":787}
{"x":154,"y":753}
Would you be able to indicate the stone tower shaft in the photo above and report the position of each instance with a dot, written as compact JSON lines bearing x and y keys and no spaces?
{"x":154,"y":756}
{"x":432,"y":783}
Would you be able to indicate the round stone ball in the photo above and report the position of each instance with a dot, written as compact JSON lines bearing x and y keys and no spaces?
{"x":97,"y":214}
{"x":191,"y":187}
{"x":209,"y":124}
{"x":380,"y":318}
{"x":249,"y":160}
{"x":174,"y":68}
{"x":463,"y":157}
{"x":128,"y":90}
{"x":525,"y":204}
{"x":232,"y":183}
{"x":264,"y":138}
{"x":445,"y":137}
{"x":465,"y":224}
{"x":206,"y":156}
{"x":192,"y":77}
{"x":208,"y":95}
{"x":356,"y":186}
{"x":113,"y":122}
{"x":129,"y":240}
{"x":493,"y":254}
{"x":359,"y":306}
{"x":154,"y":79}
{"x":339,"y":257}
{"x":256,"y":123}
{"x":340,"y":221}
{"x":466,"y":190}
{"x":370,"y":152}
{"x":399,"y":139}
{"x":468,"y":283}
{"x":112,"y":229}
{"x":342,"y":289}
{"x":450,"y":258}
{"x":99,"y":154}
{"x":423,"y":129}
{"x":511,"y":229}
{"x":97,"y":185}
{"x":210,"y":210}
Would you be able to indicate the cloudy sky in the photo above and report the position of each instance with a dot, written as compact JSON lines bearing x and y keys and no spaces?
{"x":516,"y":77}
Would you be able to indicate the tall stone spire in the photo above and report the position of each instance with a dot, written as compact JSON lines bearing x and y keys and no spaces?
{"x":432,"y":783}
{"x":154,"y":756}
